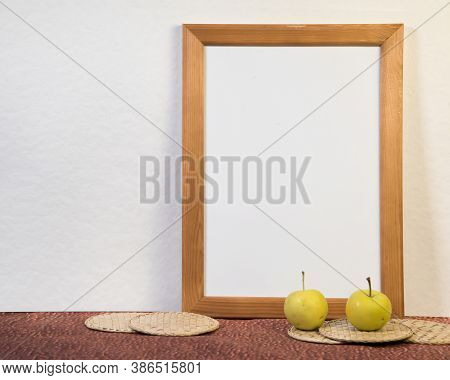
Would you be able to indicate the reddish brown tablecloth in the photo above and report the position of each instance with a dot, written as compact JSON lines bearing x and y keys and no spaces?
{"x":64,"y":336}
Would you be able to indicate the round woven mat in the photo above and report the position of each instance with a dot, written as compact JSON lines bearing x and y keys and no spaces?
{"x":111,"y":322}
{"x":427,"y":332}
{"x":342,"y":330}
{"x":310,"y":336}
{"x":173,"y":324}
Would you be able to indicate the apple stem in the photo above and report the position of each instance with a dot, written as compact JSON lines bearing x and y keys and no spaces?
{"x":303,"y":280}
{"x":370,"y":286}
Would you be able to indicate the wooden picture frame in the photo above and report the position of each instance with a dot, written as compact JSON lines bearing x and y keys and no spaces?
{"x":390,"y":38}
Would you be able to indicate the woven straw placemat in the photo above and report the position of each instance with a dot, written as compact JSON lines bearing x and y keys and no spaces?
{"x":310,"y":336}
{"x":427,"y":332}
{"x":342,"y":330}
{"x":173,"y":324}
{"x":111,"y":322}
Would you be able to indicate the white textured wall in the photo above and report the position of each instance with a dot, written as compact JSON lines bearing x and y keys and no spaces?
{"x":69,"y":149}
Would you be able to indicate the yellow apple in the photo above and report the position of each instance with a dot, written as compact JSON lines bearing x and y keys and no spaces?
{"x":306,"y":309}
{"x":368,"y":310}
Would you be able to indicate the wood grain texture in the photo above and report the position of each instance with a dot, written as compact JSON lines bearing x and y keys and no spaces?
{"x":294,"y":35}
{"x":391,"y":198}
{"x":195,"y":37}
{"x":193,"y":212}
{"x":256,"y":307}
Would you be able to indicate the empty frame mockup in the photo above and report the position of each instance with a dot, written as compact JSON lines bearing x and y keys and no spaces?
{"x":293,"y":141}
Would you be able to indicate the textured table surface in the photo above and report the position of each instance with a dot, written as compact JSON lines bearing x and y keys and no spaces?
{"x":64,"y":336}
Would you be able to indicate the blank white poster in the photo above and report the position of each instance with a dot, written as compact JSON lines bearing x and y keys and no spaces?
{"x":311,"y":115}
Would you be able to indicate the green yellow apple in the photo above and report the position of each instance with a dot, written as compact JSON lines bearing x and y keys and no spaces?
{"x":368,"y":310}
{"x":306,"y":309}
